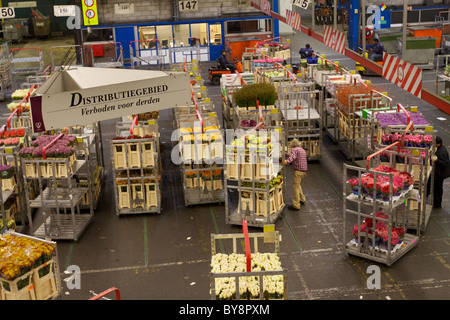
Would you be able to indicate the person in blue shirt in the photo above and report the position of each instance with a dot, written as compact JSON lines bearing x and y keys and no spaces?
{"x":377,"y":54}
{"x":306,"y":52}
{"x":222,"y":60}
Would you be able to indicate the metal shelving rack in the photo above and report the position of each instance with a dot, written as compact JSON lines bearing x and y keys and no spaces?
{"x":363,"y":207}
{"x":60,"y":196}
{"x":137,"y":163}
{"x":202,"y":160}
{"x":422,"y":171}
{"x":301,"y":107}
{"x":33,"y":64}
{"x":13,"y":191}
{"x":245,"y":168}
{"x":351,"y":129}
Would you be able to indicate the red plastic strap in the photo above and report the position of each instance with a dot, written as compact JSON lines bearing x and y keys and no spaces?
{"x":135,"y":122}
{"x":247,"y":245}
{"x":50,"y":144}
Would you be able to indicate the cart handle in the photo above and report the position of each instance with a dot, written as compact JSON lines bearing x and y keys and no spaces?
{"x":49,"y":69}
{"x":16,"y":111}
{"x":408,"y":116}
{"x":104,"y":293}
{"x":34,"y":86}
{"x":397,"y":143}
{"x":50,"y":144}
{"x":243,"y":82}
{"x":260,"y":111}
{"x":199,"y":117}
{"x":247,"y":245}
{"x":29,"y":48}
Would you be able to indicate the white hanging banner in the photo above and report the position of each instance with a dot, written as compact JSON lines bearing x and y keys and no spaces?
{"x":95,"y":94}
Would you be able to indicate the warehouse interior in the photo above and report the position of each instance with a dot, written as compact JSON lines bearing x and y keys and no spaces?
{"x":132,"y":250}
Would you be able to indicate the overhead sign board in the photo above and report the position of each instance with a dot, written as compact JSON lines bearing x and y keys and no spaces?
{"x":104,"y":94}
{"x":22,"y":4}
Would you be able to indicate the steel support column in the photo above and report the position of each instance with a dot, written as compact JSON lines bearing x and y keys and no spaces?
{"x":353,"y":25}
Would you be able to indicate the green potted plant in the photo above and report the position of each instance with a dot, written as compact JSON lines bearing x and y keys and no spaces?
{"x":247,"y":96}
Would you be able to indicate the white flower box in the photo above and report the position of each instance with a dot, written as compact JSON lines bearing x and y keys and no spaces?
{"x":8,"y":184}
{"x":137,"y":195}
{"x":124,"y":197}
{"x":120,"y":161}
{"x":134,"y":155}
{"x":45,"y":286}
{"x":148,"y":159}
{"x":151,"y":195}
{"x":261,"y":203}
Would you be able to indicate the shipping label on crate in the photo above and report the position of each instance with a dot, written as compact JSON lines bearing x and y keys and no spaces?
{"x":85,"y":106}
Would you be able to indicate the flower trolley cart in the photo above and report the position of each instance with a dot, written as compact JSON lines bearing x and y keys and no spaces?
{"x":51,"y":162}
{"x":415,"y":157}
{"x":29,"y":268}
{"x":377,"y":200}
{"x":256,"y":274}
{"x":254,"y":188}
{"x":301,"y":107}
{"x":136,"y":167}
{"x":200,"y":151}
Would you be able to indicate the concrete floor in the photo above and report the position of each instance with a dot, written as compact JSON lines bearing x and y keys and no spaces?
{"x":167,"y":256}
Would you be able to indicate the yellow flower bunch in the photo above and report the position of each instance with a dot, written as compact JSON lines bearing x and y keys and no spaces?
{"x":20,"y":254}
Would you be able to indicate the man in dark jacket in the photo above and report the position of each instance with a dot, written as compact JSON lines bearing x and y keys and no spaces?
{"x":222,"y":60}
{"x":306,"y":52}
{"x":441,"y":163}
{"x":377,"y":54}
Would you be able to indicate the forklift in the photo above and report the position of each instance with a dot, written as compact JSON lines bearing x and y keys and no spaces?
{"x":216,"y":72}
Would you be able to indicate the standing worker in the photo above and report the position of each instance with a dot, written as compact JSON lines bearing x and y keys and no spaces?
{"x":297,"y":157}
{"x":222,"y":60}
{"x":306,"y":52}
{"x":441,"y":172}
{"x":378,"y":49}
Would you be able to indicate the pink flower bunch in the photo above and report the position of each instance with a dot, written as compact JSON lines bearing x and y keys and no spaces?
{"x":9,"y":141}
{"x":410,"y":140}
{"x":381,"y":229}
